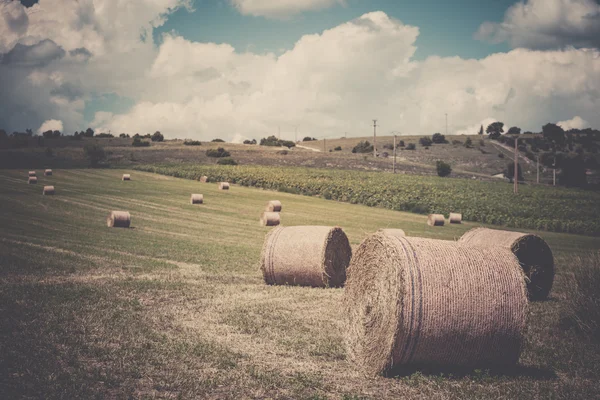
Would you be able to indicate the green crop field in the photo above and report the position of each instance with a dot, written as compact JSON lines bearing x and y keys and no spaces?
{"x":175,"y":307}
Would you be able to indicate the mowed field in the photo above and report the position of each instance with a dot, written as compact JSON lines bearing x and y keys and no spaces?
{"x":176,"y":307}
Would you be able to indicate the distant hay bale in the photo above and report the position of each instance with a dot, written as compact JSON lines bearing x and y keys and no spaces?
{"x":315,"y":256}
{"x":126,"y":177}
{"x":31,"y":173}
{"x":435,"y":220}
{"x":224,"y":185}
{"x":197,"y":199}
{"x":204,"y":179}
{"x":415,"y":302}
{"x":48,"y":172}
{"x":273,"y":206}
{"x":118,"y":219}
{"x":48,"y":190}
{"x":393,"y":232}
{"x":270,"y":219}
{"x":32,"y":180}
{"x":455,"y":218}
{"x":532,"y":251}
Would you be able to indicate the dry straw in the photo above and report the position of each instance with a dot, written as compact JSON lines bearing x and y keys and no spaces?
{"x":435,"y":220}
{"x":31,"y":173}
{"x":119,"y":219}
{"x":273,"y":206}
{"x":32,"y":180}
{"x":197,"y":199}
{"x":204,"y":179}
{"x":48,"y":190}
{"x":455,"y":218}
{"x":48,"y":172}
{"x":314,"y":256}
{"x":270,"y":219}
{"x":393,"y":232}
{"x":126,"y":177}
{"x":415,"y":302}
{"x":532,"y":251}
{"x":224,"y":185}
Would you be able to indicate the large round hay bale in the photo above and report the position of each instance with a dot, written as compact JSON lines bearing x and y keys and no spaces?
{"x":48,"y":190}
{"x":314,"y":256}
{"x":270,"y":219}
{"x":204,"y":179}
{"x":126,"y":177}
{"x":31,"y":173}
{"x":532,"y":251}
{"x":224,"y":185}
{"x":392,"y":232}
{"x":455,"y":218}
{"x":32,"y":180}
{"x":415,"y":302}
{"x":435,"y":220}
{"x":48,"y":172}
{"x":273,"y":206}
{"x":119,"y":219}
{"x":197,"y":199}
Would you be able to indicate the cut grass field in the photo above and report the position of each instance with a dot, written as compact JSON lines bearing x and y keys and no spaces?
{"x":176,"y":307}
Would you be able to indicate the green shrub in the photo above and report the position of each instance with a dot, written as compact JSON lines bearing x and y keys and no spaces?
{"x":443,"y":168}
{"x":308,"y":139}
{"x":192,"y":142}
{"x":138,"y":142}
{"x":253,"y":141}
{"x":218,"y":140}
{"x":363,"y":147}
{"x":104,"y":135}
{"x":157,"y":137}
{"x":338,"y":148}
{"x":411,"y":146}
{"x":219,"y":152}
{"x":438,"y":138}
{"x":468,"y":143}
{"x":425,"y":141}
{"x":94,"y":153}
{"x":226,"y":161}
{"x":400,"y":144}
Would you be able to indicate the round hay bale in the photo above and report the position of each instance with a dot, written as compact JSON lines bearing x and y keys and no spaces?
{"x":532,"y":251}
{"x":31,"y":173}
{"x":204,"y":179}
{"x":273,"y":206}
{"x":224,"y":185}
{"x":270,"y":219}
{"x":197,"y":199}
{"x":32,"y":180}
{"x":415,"y":302}
{"x":48,"y":190}
{"x":48,"y":172}
{"x":435,"y":220}
{"x":126,"y":177}
{"x":455,"y":218}
{"x":393,"y":232}
{"x":315,"y":256}
{"x":119,"y":219}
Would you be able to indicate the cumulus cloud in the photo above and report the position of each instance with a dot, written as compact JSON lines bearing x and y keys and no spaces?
{"x":546,"y":24}
{"x":35,"y":55}
{"x":574,"y":123}
{"x":51,"y":125}
{"x":281,"y":8}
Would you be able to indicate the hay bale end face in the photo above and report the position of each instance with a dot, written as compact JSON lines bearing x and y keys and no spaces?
{"x":455,"y":218}
{"x":435,"y":220}
{"x":415,"y":302}
{"x":119,"y":219}
{"x":31,"y":173}
{"x":48,"y":172}
{"x":315,"y":256}
{"x":204,"y":179}
{"x":48,"y":190}
{"x":32,"y":180}
{"x":533,"y":253}
{"x":224,"y":186}
{"x":126,"y":177}
{"x":393,"y":232}
{"x":197,"y":199}
{"x":273,"y":206}
{"x":270,"y":219}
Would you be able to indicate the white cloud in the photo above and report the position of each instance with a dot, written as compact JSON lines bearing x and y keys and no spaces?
{"x":281,"y":8}
{"x":51,"y":125}
{"x":574,"y":123}
{"x":546,"y":24}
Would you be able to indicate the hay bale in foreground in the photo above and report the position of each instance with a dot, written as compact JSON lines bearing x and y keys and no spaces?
{"x":532,"y":251}
{"x":32,"y":180}
{"x":48,"y":172}
{"x":273,"y":206}
{"x":204,"y":179}
{"x":393,"y":232}
{"x":31,"y":173}
{"x":314,"y":256}
{"x":197,"y":199}
{"x":126,"y":177}
{"x":435,"y":220}
{"x":455,"y":218}
{"x":415,"y":302}
{"x":270,"y":219}
{"x":48,"y":190}
{"x":119,"y":219}
{"x":223,"y":185}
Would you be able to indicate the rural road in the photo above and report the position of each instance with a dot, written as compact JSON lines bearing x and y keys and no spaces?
{"x":307,"y":148}
{"x":512,"y":151}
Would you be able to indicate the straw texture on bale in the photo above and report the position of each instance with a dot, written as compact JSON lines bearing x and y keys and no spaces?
{"x":126,"y":177}
{"x":31,"y":173}
{"x":204,"y":179}
{"x":48,"y":172}
{"x":197,"y":199}
{"x":48,"y":190}
{"x":315,"y":256}
{"x":119,"y":219}
{"x":393,"y":232}
{"x":273,"y":206}
{"x":532,"y":251}
{"x":455,"y":218}
{"x":270,"y":219}
{"x":224,"y":186}
{"x":32,"y":180}
{"x":435,"y":220}
{"x":415,"y":302}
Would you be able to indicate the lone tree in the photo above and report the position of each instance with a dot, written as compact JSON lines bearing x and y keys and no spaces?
{"x":514,"y":131}
{"x":495,"y":129}
{"x":157,"y":137}
{"x":438,"y":138}
{"x":480,"y":130}
{"x":554,"y":133}
{"x":94,"y":153}
{"x":89,"y":132}
{"x":443,"y":168}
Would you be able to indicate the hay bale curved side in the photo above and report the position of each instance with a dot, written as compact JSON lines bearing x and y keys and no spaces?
{"x":533,"y":253}
{"x":413,"y":302}
{"x":48,"y":190}
{"x":455,"y":218}
{"x":31,"y":173}
{"x":119,"y":219}
{"x":204,"y":179}
{"x":126,"y":177}
{"x":435,"y":220}
{"x":273,"y":206}
{"x":224,"y":185}
{"x":315,"y":256}
{"x":32,"y":180}
{"x":392,"y":232}
{"x":197,"y":199}
{"x":270,"y":219}
{"x":48,"y":172}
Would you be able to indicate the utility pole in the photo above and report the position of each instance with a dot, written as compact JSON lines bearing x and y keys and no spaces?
{"x":374,"y":138}
{"x":324,"y":141}
{"x":554,"y":172}
{"x":296,"y":133}
{"x":394,"y":164}
{"x":278,"y":132}
{"x":516,"y":189}
{"x":446,"y":124}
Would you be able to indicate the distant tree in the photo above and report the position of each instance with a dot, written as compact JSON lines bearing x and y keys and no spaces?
{"x":47,"y":134}
{"x":188,"y":142}
{"x":147,"y":136}
{"x":270,"y":141}
{"x":411,"y":146}
{"x":495,"y":129}
{"x":509,"y":172}
{"x":89,"y":132}
{"x":480,"y":130}
{"x":157,"y":137}
{"x":219,"y":152}
{"x":218,"y":140}
{"x":468,"y":143}
{"x":308,"y":139}
{"x":103,"y":135}
{"x":94,"y":153}
{"x":3,"y":134}
{"x":363,"y":147}
{"x":287,"y":143}
{"x":123,"y":135}
{"x":56,"y":134}
{"x":400,"y":144}
{"x":572,"y":172}
{"x":227,"y":161}
{"x":138,"y":142}
{"x":438,"y":138}
{"x":514,"y":131}
{"x":425,"y":141}
{"x":338,"y":148}
{"x":554,"y":134}
{"x":253,"y":141}
{"x":443,"y":168}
